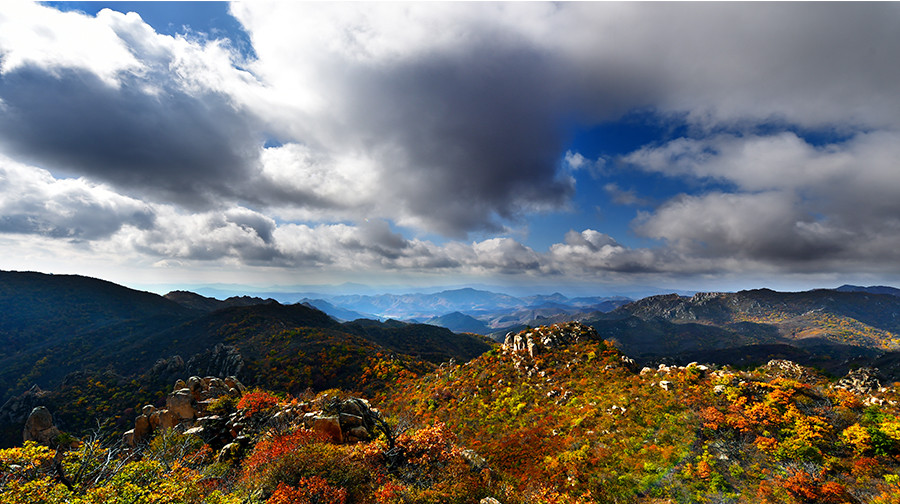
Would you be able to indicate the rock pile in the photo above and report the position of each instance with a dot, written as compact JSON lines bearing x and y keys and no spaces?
{"x":535,"y":341}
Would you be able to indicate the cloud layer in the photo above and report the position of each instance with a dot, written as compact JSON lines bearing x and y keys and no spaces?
{"x":417,"y":137}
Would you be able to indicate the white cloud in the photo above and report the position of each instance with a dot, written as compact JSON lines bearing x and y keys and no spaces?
{"x":33,"y":202}
{"x":31,"y":34}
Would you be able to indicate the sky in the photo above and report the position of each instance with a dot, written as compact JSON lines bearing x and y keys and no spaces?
{"x":579,"y":147}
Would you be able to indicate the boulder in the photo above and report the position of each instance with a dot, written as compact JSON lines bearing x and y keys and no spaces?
{"x":330,"y":426}
{"x":142,"y":428}
{"x":39,"y":426}
{"x":360,"y":433}
{"x":181,"y":402}
{"x":167,"y":419}
{"x":195,"y":385}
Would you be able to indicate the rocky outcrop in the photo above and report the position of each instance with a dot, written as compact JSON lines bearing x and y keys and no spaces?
{"x":538,"y":340}
{"x":787,"y":369}
{"x":860,"y":381}
{"x":39,"y":427}
{"x":185,"y":409}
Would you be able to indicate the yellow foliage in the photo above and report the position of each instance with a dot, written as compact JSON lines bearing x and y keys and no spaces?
{"x":858,"y":437}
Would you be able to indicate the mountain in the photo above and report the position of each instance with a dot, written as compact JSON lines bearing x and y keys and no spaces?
{"x":480,"y":304}
{"x":460,"y":322}
{"x":337,"y":312}
{"x":407,"y":306}
{"x":874,"y":289}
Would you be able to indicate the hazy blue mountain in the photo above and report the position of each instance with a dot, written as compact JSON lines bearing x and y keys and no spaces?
{"x":460,"y":322}
{"x":480,"y":304}
{"x":341,"y":314}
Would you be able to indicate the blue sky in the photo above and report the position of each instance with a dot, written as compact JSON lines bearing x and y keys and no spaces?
{"x":580,"y":147}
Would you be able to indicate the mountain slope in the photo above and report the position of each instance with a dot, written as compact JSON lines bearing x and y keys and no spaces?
{"x":576,"y":422}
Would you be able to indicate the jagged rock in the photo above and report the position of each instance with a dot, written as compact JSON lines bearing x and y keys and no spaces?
{"x":665,"y":385}
{"x":148,"y":409}
{"x":860,"y":381}
{"x":232,"y":383}
{"x":216,"y":388}
{"x":128,"y":437}
{"x":181,"y":402}
{"x":489,"y":500}
{"x":172,"y":366}
{"x":194,"y":431}
{"x":629,"y":363}
{"x":40,"y":427}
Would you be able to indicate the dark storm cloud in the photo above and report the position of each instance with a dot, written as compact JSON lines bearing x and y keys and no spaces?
{"x":182,"y":148}
{"x":481,"y":134}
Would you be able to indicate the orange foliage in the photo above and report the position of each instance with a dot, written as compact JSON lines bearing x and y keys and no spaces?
{"x":311,"y":490}
{"x":270,"y":449}
{"x":256,"y":402}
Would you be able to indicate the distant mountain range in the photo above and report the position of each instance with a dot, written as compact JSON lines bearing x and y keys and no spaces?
{"x":466,"y":309}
